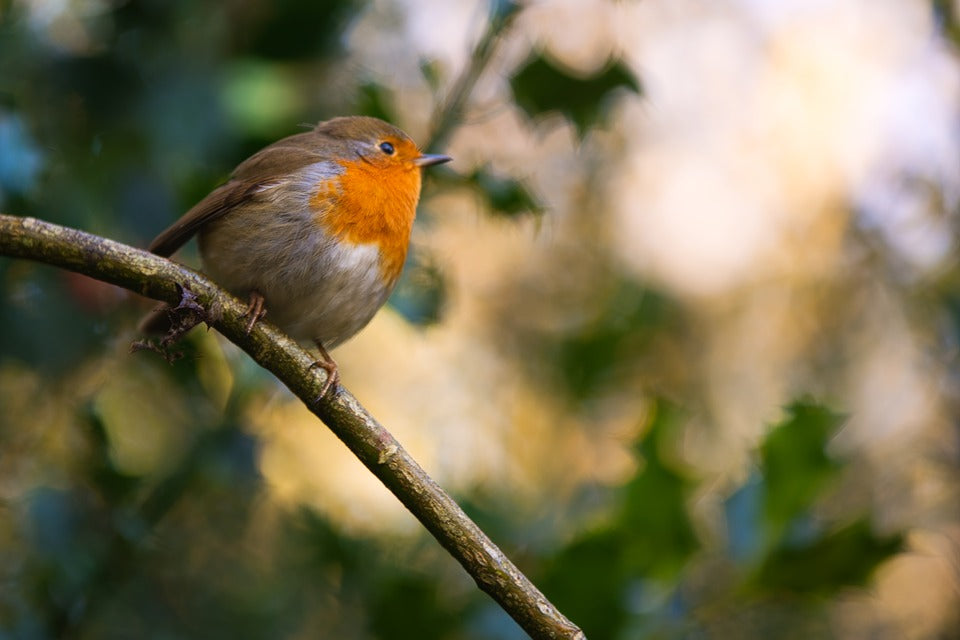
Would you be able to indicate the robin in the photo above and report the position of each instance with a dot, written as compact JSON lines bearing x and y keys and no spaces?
{"x":314,"y":228}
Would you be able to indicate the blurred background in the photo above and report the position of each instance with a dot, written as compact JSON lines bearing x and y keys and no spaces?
{"x":679,"y":328}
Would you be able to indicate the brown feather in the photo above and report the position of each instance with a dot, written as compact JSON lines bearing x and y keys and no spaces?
{"x":269,"y":165}
{"x":317,"y":224}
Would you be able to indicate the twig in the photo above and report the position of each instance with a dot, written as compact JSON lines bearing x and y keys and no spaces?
{"x":450,"y":112}
{"x":158,"y":278}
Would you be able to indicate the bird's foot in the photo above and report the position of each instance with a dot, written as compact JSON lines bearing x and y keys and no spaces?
{"x":328,"y":364}
{"x":255,"y":310}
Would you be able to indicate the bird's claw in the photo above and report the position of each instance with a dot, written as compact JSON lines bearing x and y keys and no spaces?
{"x":328,"y":364}
{"x":255,"y":310}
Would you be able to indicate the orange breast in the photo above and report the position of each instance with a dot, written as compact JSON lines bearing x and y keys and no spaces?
{"x":371,"y":204}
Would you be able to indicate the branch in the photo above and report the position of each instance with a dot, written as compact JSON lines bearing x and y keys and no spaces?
{"x":158,"y":278}
{"x":450,"y":112}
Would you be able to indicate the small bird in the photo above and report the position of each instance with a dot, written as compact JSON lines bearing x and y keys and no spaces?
{"x":313,"y":228}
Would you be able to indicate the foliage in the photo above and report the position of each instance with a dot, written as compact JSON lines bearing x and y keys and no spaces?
{"x":795,"y":464}
{"x":628,"y":572}
{"x":122,"y":133}
{"x":505,"y":196}
{"x":542,"y":86}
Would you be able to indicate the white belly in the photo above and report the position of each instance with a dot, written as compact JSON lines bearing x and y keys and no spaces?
{"x":332,"y":304}
{"x":314,"y":288}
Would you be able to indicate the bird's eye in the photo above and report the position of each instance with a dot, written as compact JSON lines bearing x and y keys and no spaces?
{"x":387,"y":148}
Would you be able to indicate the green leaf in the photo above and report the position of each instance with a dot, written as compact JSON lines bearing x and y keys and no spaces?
{"x":796,"y":470}
{"x":655,"y":519}
{"x":795,"y":465}
{"x":422,"y":291}
{"x":603,"y":351}
{"x":415,"y":603}
{"x":845,"y":557}
{"x":588,"y":582}
{"x":645,"y":544}
{"x":505,"y":196}
{"x":543,"y":86}
{"x":374,"y":100}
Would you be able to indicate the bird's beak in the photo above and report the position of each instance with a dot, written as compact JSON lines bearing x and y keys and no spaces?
{"x":430,"y":159}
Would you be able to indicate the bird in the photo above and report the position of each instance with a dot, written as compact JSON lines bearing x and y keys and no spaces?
{"x":313,"y":229}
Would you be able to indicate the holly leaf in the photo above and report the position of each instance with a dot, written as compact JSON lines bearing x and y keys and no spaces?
{"x":589,"y":358}
{"x":422,"y":291}
{"x":655,"y":518}
{"x":795,"y":465}
{"x":505,"y":196}
{"x":646,"y":543}
{"x":543,"y":86}
{"x":827,"y":563}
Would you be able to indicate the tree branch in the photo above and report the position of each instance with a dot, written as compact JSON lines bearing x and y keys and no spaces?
{"x":450,"y":111}
{"x":158,"y":278}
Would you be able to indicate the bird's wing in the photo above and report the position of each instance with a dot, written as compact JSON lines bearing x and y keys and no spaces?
{"x":267,"y":168}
